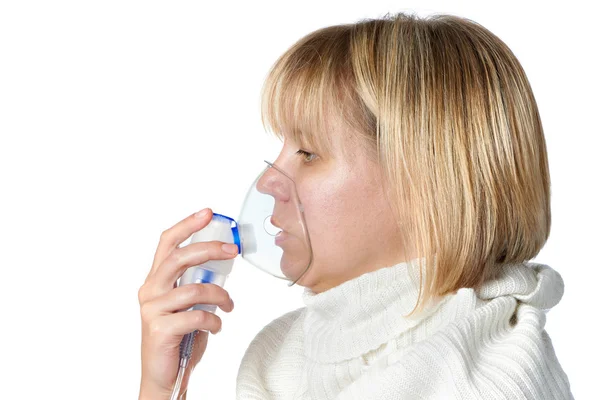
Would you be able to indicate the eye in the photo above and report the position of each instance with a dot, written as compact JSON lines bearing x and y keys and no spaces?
{"x":305,"y":154}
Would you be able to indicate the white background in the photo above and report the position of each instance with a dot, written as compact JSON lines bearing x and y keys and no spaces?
{"x":120,"y":118}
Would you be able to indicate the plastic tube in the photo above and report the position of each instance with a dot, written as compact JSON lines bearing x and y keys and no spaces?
{"x":177,"y":386}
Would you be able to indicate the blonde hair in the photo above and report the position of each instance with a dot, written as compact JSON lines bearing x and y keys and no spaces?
{"x":446,"y":109}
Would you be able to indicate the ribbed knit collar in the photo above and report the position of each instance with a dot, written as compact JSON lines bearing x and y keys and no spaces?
{"x":359,"y":315}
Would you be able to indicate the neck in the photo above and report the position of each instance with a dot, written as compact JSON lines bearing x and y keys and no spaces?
{"x":329,"y":282}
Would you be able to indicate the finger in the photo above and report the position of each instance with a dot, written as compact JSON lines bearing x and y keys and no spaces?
{"x":177,"y":234}
{"x":181,"y":259}
{"x":181,"y":323}
{"x":186,"y":296}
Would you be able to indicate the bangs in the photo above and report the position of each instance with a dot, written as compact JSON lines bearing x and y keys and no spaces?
{"x":307,"y":89}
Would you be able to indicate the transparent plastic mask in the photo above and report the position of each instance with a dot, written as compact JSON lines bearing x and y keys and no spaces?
{"x":273,"y":232}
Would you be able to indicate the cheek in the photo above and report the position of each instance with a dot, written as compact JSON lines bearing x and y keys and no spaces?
{"x":345,"y":216}
{"x":322,"y":207}
{"x":331,"y":214}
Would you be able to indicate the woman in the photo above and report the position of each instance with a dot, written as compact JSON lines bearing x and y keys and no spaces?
{"x":418,"y":152}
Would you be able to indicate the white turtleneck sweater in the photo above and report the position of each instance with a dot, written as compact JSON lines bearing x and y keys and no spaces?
{"x":351,"y":342}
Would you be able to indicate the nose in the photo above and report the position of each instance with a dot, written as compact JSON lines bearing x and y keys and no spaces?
{"x":274,"y":183}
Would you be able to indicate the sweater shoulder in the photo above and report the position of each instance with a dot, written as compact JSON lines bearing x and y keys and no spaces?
{"x":473,"y":359}
{"x":275,"y":331}
{"x":263,"y":351}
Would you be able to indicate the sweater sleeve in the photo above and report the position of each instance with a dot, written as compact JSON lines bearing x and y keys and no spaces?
{"x":252,"y":373}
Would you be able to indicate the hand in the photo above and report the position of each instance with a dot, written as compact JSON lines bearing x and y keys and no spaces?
{"x":160,"y":299}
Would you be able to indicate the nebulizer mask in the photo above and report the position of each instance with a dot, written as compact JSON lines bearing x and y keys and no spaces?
{"x":270,"y":233}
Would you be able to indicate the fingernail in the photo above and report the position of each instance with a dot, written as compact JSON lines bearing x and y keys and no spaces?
{"x":229,"y":248}
{"x":201,"y":213}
